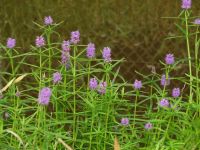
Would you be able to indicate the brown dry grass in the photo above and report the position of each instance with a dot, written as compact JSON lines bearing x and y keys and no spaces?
{"x":116,"y":144}
{"x":132,"y":28}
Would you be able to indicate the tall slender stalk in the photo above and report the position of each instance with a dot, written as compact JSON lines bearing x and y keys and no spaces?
{"x":39,"y":111}
{"x":135,"y":106}
{"x":197,"y":66}
{"x":189,"y":53}
{"x":88,"y":92}
{"x":12,"y":88}
{"x":50,"y":51}
{"x":40,"y":80}
{"x":74,"y":93}
{"x":91,"y":128}
{"x":108,"y":106}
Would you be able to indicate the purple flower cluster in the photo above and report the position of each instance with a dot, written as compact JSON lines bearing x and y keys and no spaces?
{"x":65,"y":56}
{"x":57,"y":77}
{"x":39,"y":41}
{"x":186,"y":4}
{"x":93,"y":84}
{"x":44,"y":96}
{"x":148,"y":126}
{"x":11,"y":43}
{"x":137,"y":84}
{"x":106,"y":54}
{"x":90,"y":50}
{"x":176,"y":92}
{"x":124,"y":121}
{"x":75,"y":37}
{"x":169,"y":59}
{"x":48,"y":20}
{"x":164,"y":81}
{"x":164,"y":103}
{"x":102,"y":87}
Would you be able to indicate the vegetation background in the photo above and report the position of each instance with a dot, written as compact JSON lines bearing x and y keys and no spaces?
{"x":134,"y":29}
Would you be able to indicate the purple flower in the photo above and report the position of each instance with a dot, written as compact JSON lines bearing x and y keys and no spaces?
{"x":75,"y":37}
{"x":106,"y":54}
{"x":11,"y":43}
{"x":44,"y":96}
{"x":66,"y":46}
{"x":197,"y":21}
{"x":148,"y":126}
{"x":93,"y":83}
{"x":1,"y":96}
{"x":102,"y":87}
{"x":176,"y":92}
{"x":57,"y":77}
{"x":65,"y":56}
{"x":164,"y":103}
{"x":169,"y":59}
{"x":48,"y":20}
{"x":17,"y":94}
{"x":137,"y":84}
{"x":164,"y":81}
{"x":125,"y":121}
{"x":186,"y":4}
{"x":91,"y":50}
{"x":39,"y":41}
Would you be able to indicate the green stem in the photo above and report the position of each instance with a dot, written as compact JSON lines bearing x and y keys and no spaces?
{"x":89,"y":65}
{"x":40,"y":84}
{"x":197,"y":66}
{"x":12,"y":63}
{"x":49,"y":48}
{"x":166,"y":131}
{"x":135,"y":106}
{"x":74,"y":93}
{"x":108,"y":106}
{"x":91,"y":128}
{"x":44,"y":118}
{"x":57,"y":104}
{"x":12,"y":88}
{"x":88,"y":92}
{"x":189,"y":56}
{"x":39,"y":116}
